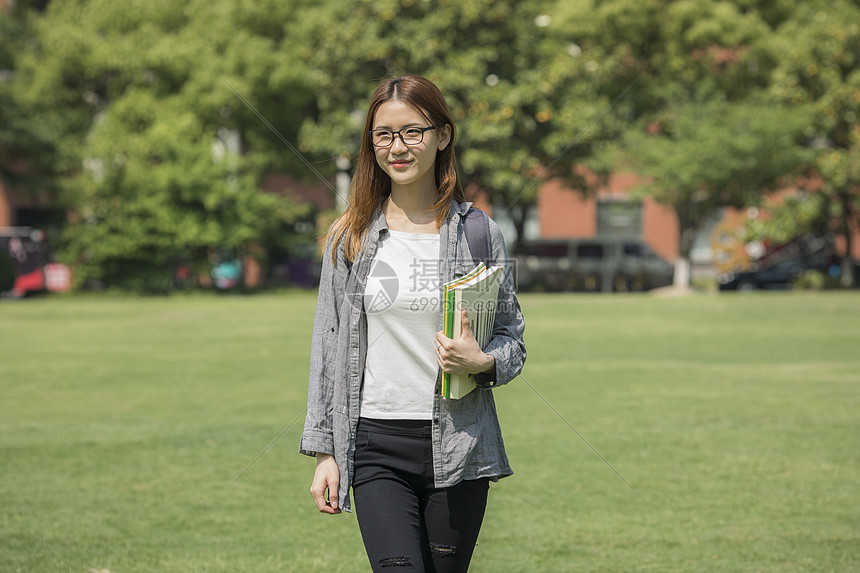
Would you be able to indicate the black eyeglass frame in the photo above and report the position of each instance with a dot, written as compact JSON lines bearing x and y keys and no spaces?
{"x":423,"y":130}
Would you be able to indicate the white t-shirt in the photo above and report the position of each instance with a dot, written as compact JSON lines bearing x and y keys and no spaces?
{"x":401,"y":299}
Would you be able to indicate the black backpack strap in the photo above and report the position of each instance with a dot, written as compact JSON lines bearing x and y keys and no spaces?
{"x":476,"y":227}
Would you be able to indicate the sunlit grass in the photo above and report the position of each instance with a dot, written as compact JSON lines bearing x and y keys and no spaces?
{"x":124,"y":421}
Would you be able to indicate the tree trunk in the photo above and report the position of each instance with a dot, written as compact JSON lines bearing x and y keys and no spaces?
{"x":342,"y":180}
{"x":847,"y":271}
{"x":518,"y":218}
{"x":681,"y":276}
{"x":846,"y":275}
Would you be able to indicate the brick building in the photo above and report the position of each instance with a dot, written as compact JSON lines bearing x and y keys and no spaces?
{"x":564,"y":213}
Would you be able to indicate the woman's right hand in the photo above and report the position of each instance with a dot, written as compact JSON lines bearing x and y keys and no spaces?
{"x":326,"y":477}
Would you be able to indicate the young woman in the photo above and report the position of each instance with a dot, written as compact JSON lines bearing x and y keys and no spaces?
{"x":419,"y":464}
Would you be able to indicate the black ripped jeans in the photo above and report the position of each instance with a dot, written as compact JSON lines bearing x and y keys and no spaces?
{"x":407,"y":524}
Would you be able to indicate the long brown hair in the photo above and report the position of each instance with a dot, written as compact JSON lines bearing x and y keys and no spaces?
{"x":370,"y":184}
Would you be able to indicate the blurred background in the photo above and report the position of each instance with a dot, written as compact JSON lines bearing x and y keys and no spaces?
{"x":622,"y":145}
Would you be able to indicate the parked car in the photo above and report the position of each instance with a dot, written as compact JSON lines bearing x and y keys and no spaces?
{"x":23,"y":254}
{"x":591,"y":265}
{"x":780,"y":275}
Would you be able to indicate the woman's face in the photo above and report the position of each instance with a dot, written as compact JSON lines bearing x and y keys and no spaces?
{"x":408,"y":165}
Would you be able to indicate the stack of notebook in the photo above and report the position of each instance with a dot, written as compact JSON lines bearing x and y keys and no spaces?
{"x":476,"y":292}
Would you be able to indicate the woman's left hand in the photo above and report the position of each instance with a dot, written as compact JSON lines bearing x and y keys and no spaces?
{"x":462,"y":355}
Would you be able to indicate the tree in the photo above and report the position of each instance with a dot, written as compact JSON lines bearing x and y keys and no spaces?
{"x":716,"y":154}
{"x":519,"y":92}
{"x":25,"y":148}
{"x":820,"y":67}
{"x":152,"y":194}
{"x":699,"y":125}
{"x":136,"y":98}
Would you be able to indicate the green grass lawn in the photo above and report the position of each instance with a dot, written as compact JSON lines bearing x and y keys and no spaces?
{"x":735,"y":418}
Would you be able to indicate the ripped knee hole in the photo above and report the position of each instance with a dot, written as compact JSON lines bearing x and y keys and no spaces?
{"x":443,"y":550}
{"x":401,"y":561}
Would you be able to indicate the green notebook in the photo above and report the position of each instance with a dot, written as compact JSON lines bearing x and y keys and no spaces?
{"x":477,"y":292}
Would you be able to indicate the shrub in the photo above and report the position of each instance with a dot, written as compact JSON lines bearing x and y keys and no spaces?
{"x":810,"y":280}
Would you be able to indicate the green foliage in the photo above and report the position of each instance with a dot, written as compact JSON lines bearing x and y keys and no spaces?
{"x":701,"y":127}
{"x":519,"y":92}
{"x":821,"y":68}
{"x":796,"y":215}
{"x":714,"y":101}
{"x":810,"y":280}
{"x":715,"y":154}
{"x":153,"y":193}
{"x":25,"y":147}
{"x":682,"y":50}
{"x":139,"y":94}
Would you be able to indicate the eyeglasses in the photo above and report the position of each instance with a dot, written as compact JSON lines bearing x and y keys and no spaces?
{"x":408,"y":135}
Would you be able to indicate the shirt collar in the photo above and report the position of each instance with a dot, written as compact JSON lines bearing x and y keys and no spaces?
{"x":379,"y":226}
{"x":460,"y":208}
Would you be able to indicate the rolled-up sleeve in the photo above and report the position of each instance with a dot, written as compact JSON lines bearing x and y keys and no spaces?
{"x":506,"y":345}
{"x":317,"y":436}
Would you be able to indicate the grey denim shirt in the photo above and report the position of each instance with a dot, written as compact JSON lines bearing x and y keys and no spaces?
{"x":467,"y":439}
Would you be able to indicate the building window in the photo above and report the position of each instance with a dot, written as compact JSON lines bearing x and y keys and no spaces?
{"x":619,"y":219}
